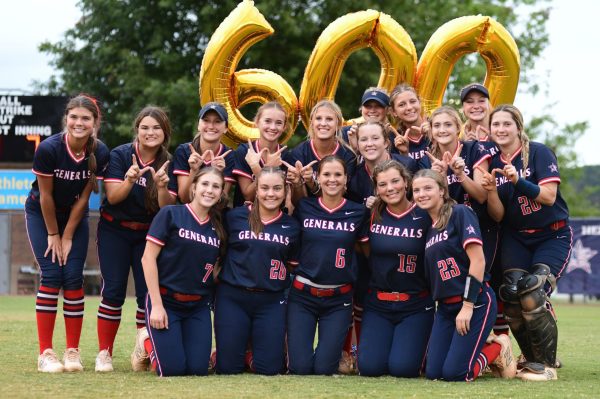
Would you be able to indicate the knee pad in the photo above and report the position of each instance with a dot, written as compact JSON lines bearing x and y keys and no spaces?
{"x":531,"y":287}
{"x":509,"y":290}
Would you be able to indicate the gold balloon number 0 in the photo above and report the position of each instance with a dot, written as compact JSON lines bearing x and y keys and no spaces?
{"x":219,"y":80}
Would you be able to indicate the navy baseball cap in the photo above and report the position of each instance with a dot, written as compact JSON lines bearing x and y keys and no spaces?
{"x":473,"y":87}
{"x":376,"y":95}
{"x":216,"y":107}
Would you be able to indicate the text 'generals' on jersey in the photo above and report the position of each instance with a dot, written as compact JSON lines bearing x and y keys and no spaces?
{"x":437,"y":238}
{"x":328,"y":225}
{"x":71,"y":174}
{"x":396,"y":231}
{"x":192,"y":235}
{"x":250,"y":235}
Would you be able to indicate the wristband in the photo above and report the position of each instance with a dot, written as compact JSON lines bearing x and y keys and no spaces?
{"x":528,"y":188}
{"x":54,"y":234}
{"x":472,"y":289}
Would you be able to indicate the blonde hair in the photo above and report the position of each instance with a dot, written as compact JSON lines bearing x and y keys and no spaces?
{"x":442,"y":182}
{"x":453,"y":114}
{"x":384,"y":132}
{"x":379,"y":205}
{"x":517,"y":117}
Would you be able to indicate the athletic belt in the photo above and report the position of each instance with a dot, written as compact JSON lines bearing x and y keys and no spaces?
{"x":399,"y":296}
{"x":554,"y":226}
{"x":459,"y":298}
{"x":128,"y":225}
{"x":321,"y":292}
{"x":178,"y":296}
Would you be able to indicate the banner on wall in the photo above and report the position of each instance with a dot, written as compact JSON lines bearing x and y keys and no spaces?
{"x":15,"y":185}
{"x":582,"y":273}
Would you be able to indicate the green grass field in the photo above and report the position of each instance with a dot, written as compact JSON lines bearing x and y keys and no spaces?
{"x":579,"y":327}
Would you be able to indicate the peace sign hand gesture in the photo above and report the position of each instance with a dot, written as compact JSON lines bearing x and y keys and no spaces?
{"x":161,"y":177}
{"x":134,"y":172}
{"x":439,"y":165}
{"x":401,"y":141}
{"x":488,"y":179}
{"x":219,"y":162}
{"x":196,"y":160}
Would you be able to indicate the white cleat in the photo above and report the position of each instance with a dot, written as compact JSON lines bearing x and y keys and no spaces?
{"x":72,"y":360}
{"x":48,"y":362}
{"x":104,"y":361}
{"x":139,"y":358}
{"x":504,"y":365}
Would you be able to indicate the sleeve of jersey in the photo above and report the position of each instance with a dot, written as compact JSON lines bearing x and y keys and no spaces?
{"x":172,"y":185}
{"x":546,"y":166}
{"x":479,"y":154}
{"x":240,"y":166}
{"x":44,"y":161}
{"x":468,"y":226}
{"x":424,"y":163}
{"x":229,"y":166}
{"x":117,"y":167}
{"x":350,"y":163}
{"x":159,"y":229}
{"x":102,"y":159}
{"x":180,"y":161}
{"x":294,"y":254}
{"x":363,"y":229}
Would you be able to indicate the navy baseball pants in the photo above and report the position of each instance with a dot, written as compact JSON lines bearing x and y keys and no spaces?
{"x":334,"y":317}
{"x":183,"y":348}
{"x":394,"y":336}
{"x":451,"y":356}
{"x":241,"y":315}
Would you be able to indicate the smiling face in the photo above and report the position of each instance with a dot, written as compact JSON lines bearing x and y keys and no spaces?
{"x":444,"y":129}
{"x":373,"y":111}
{"x":149,"y":133}
{"x":427,"y":193}
{"x":211,"y":127}
{"x":80,"y":123}
{"x":504,"y":129}
{"x":271,"y":124}
{"x":476,"y":106}
{"x":270,"y":192}
{"x":208,"y":189}
{"x":372,"y":144}
{"x":324,"y":124}
{"x":407,"y":107}
{"x":391,"y":187}
{"x":332,"y":178}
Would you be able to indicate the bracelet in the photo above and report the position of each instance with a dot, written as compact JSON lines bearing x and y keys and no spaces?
{"x":54,"y":234}
{"x":528,"y":188}
{"x":472,"y":289}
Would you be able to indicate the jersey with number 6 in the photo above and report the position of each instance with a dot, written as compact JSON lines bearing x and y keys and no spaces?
{"x":446,"y":260}
{"x":328,"y":238}
{"x":259,"y":260}
{"x":397,"y":255}
{"x":522,"y":212}
{"x":190,"y":250}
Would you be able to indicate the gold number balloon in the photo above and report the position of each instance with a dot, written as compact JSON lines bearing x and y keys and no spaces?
{"x":220,"y":82}
{"x":457,"y":38}
{"x":390,"y":42}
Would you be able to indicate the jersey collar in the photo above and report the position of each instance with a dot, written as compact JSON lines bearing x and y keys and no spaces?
{"x":316,"y":154}
{"x":401,"y":215}
{"x":200,"y":222}
{"x":512,"y":157}
{"x":71,"y":153}
{"x":139,"y":157}
{"x":337,"y":208}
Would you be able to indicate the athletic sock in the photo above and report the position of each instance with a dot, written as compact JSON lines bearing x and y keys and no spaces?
{"x":488,"y":354}
{"x":45,"y":314}
{"x":151,"y":354}
{"x":140,"y":318}
{"x":109,"y":319}
{"x":73,"y":304}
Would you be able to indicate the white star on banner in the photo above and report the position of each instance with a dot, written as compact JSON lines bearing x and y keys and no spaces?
{"x":580,"y":258}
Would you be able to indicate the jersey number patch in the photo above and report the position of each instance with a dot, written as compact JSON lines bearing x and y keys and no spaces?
{"x":408,"y":263}
{"x":528,"y":206}
{"x":340,"y":261}
{"x":443,"y":266}
{"x":278,"y":270}
{"x":209,"y":269}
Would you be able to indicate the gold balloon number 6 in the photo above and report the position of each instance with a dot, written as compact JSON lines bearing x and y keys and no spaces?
{"x":219,"y":80}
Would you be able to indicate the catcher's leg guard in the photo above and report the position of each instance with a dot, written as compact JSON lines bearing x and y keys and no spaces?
{"x":539,"y":321}
{"x":512,"y":309}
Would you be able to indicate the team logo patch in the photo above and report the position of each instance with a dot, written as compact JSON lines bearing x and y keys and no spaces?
{"x":553,"y":167}
{"x":470,"y":229}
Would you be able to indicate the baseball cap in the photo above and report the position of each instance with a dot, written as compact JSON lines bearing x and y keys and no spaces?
{"x":216,"y":107}
{"x":473,"y":87}
{"x":378,"y":96}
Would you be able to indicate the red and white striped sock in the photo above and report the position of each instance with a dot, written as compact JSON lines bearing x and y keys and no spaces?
{"x":73,"y":306}
{"x":109,"y":319}
{"x":140,"y":318}
{"x":488,"y":354}
{"x":45,"y":314}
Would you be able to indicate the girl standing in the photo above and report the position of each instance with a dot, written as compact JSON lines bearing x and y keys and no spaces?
{"x":476,"y":108}
{"x":136,"y":188}
{"x":66,"y":166}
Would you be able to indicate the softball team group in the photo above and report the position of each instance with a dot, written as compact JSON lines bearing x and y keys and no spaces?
{"x":413,"y":239}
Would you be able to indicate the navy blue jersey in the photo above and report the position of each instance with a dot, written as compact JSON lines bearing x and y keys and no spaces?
{"x":446,"y":260}
{"x":417,"y":148}
{"x":181,"y":167}
{"x":360,"y":185}
{"x":305,"y":153}
{"x":190,"y":250}
{"x":54,"y":158}
{"x":259,"y":261}
{"x":132,"y":208}
{"x":473,"y":154}
{"x":522,"y":212}
{"x":241,"y":167}
{"x":328,"y":237}
{"x":397,"y":256}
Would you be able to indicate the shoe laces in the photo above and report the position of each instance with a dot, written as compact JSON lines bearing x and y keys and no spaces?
{"x":50,"y":356}
{"x":72,"y":355}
